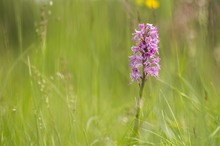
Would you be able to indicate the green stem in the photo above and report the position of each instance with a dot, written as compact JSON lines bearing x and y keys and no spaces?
{"x":137,"y":122}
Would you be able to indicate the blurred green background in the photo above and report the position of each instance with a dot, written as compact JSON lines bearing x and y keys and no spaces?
{"x":64,"y":73}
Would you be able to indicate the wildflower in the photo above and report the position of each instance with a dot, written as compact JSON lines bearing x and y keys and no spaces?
{"x":145,"y":53}
{"x":144,"y":62}
{"x":152,"y":4}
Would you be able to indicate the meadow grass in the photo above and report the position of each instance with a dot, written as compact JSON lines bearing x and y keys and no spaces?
{"x":72,"y":87}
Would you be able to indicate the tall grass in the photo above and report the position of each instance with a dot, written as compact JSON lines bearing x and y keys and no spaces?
{"x":76,"y":92}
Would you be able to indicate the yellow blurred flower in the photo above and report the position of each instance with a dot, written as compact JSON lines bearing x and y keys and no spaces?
{"x":140,"y":2}
{"x":153,"y":4}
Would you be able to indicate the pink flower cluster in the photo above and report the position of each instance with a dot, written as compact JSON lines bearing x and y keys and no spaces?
{"x":145,"y":61}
